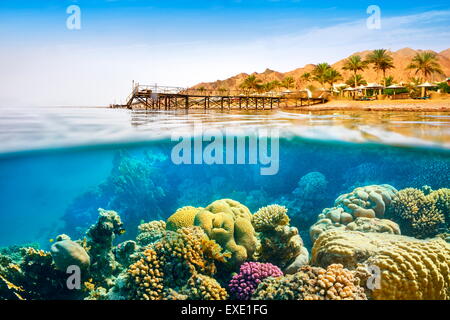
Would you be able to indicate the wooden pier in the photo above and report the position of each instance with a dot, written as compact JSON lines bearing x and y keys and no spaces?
{"x":156,"y":97}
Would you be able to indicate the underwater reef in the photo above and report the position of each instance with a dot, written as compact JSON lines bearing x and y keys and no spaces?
{"x":225,"y":250}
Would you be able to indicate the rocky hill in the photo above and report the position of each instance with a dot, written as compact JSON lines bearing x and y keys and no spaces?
{"x":401,"y":58}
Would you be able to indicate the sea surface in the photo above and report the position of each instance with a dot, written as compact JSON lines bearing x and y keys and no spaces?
{"x":58,"y":166}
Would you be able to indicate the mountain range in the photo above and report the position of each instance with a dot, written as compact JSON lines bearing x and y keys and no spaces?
{"x":401,"y":58}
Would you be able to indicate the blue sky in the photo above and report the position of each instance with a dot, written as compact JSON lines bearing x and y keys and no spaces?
{"x":185,"y":42}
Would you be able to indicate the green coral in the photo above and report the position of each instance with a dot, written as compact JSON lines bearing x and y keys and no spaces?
{"x":101,"y":236}
{"x":280,"y":243}
{"x":420,"y":214}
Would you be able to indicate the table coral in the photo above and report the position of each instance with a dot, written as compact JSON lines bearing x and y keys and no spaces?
{"x":410,"y":268}
{"x":279,"y":242}
{"x":421,"y":215}
{"x":313,"y":283}
{"x":228,"y":222}
{"x":250,"y":275}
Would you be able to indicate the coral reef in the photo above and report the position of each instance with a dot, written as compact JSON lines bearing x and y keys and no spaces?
{"x":421,"y":215}
{"x":150,"y":232}
{"x":362,"y":210}
{"x":279,"y":242}
{"x":136,"y":187}
{"x":146,"y":277}
{"x":181,"y":262}
{"x":228,"y":222}
{"x":99,"y":246}
{"x":359,"y":224}
{"x":369,"y":201}
{"x":250,"y":275}
{"x":313,"y":283}
{"x":202,"y":287}
{"x":409,"y":268}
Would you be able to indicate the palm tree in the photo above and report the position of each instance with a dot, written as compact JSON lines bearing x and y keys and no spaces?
{"x":320,"y":71}
{"x":250,"y":83}
{"x":425,"y":63}
{"x":354,"y":64}
{"x":389,"y":81}
{"x":356,"y":81}
{"x":288,"y":82}
{"x":202,"y":89}
{"x":305,"y":78}
{"x":222,"y":91}
{"x":332,"y":76}
{"x":381,"y":60}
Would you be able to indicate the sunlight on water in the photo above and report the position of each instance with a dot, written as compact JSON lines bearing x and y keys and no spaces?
{"x":34,"y":128}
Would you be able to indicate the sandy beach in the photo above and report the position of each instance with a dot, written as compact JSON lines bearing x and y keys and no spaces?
{"x":438,"y":105}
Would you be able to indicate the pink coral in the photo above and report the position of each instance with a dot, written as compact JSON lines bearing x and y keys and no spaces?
{"x":250,"y":275}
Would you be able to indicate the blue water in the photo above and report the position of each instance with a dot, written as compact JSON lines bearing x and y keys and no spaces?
{"x":53,"y":179}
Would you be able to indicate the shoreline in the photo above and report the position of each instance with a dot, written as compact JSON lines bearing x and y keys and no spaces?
{"x":379,"y":105}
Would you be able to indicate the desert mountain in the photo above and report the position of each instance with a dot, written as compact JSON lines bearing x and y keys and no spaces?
{"x":401,"y":58}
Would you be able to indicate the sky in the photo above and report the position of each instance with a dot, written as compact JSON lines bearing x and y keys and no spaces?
{"x":182,"y":43}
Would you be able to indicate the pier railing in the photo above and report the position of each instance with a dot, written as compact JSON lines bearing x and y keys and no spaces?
{"x":169,"y":97}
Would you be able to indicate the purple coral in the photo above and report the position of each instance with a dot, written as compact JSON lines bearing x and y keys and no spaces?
{"x":250,"y":275}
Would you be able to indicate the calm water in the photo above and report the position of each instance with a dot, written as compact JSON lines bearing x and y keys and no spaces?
{"x":59,"y":165}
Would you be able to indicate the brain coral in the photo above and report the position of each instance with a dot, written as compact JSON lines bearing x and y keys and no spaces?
{"x":280,"y":243}
{"x":369,"y":201}
{"x":327,"y":221}
{"x":150,"y":232}
{"x":353,"y":210}
{"x":421,"y":215}
{"x":244,"y":284}
{"x":229,"y":223}
{"x":410,"y":268}
{"x":312,"y":283}
{"x":183,"y":217}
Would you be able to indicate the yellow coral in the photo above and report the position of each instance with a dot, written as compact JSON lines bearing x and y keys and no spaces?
{"x":269,"y":217}
{"x":183,"y":217}
{"x":410,"y":268}
{"x":201,"y":287}
{"x":229,"y":223}
{"x":147,"y":277}
{"x":413,"y":271}
{"x":313,"y":283}
{"x":421,"y":214}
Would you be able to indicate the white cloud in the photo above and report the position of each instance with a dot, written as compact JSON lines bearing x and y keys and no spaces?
{"x":77,"y":75}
